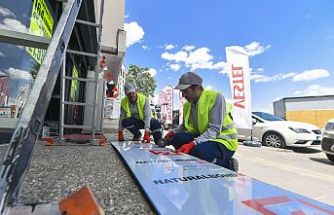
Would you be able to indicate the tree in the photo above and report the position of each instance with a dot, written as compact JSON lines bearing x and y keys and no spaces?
{"x":34,"y":70}
{"x":145,"y":82}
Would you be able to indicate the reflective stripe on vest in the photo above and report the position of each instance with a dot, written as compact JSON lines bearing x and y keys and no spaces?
{"x":125,"y":104}
{"x":228,"y":133}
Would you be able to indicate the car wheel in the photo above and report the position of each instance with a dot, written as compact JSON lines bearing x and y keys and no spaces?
{"x":273,"y":139}
{"x":330,"y":157}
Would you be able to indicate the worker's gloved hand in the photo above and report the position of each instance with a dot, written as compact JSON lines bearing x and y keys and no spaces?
{"x":186,"y":148}
{"x":120,"y":136}
{"x":147,"y":137}
{"x":170,"y":134}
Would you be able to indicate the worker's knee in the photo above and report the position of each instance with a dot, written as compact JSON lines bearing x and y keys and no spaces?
{"x":155,"y":124}
{"x":206,"y":151}
{"x":127,"y":122}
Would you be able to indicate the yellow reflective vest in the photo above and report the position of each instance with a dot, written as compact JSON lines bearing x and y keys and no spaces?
{"x":140,"y":105}
{"x":228,"y":134}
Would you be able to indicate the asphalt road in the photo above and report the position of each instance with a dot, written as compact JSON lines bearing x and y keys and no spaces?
{"x":305,"y":171}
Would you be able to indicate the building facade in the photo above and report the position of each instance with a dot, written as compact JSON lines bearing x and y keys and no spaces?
{"x":316,"y":110}
{"x":20,"y":63}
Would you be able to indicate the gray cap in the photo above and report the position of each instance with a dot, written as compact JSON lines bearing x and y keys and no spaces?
{"x":188,"y":79}
{"x":129,"y":87}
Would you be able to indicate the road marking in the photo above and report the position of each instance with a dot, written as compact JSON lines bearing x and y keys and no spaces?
{"x":289,"y":168}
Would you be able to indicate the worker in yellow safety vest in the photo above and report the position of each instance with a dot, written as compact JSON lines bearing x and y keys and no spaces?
{"x":136,"y":114}
{"x":207,"y":130}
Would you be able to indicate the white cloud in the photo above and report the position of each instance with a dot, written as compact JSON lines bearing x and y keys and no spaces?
{"x":126,"y":16}
{"x":179,"y":56}
{"x":2,"y":54}
{"x":194,"y":59}
{"x":259,"y":77}
{"x":315,"y":90}
{"x":169,"y":46}
{"x":209,"y":87}
{"x":144,"y":47}
{"x":199,"y":56}
{"x":255,"y":48}
{"x":152,"y":72}
{"x":169,"y":77}
{"x":223,"y":72}
{"x":14,"y":25}
{"x":308,"y":75}
{"x":134,"y":33}
{"x":175,"y":67}
{"x":19,"y":74}
{"x":209,"y":65}
{"x":313,"y":74}
{"x":188,"y":47}
{"x":6,"y":12}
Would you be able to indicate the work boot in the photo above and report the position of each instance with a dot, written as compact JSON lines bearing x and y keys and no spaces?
{"x":234,"y":165}
{"x":137,"y":137}
{"x":163,"y":142}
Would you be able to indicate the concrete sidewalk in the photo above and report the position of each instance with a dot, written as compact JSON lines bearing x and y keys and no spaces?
{"x":58,"y":170}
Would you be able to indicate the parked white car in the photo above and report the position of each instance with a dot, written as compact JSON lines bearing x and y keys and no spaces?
{"x":327,"y":144}
{"x":276,"y":132}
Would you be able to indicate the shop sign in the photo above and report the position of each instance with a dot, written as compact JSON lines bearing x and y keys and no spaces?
{"x":41,"y":24}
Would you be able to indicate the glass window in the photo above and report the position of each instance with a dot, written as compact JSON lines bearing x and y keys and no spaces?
{"x":329,"y":126}
{"x":35,"y":17}
{"x":32,"y":17}
{"x":268,"y":116}
{"x":17,"y":72}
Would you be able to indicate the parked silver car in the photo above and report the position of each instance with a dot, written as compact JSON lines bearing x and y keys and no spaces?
{"x":276,"y":132}
{"x":327,"y":144}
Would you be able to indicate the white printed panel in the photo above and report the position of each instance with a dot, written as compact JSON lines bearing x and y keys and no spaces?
{"x":182,"y":184}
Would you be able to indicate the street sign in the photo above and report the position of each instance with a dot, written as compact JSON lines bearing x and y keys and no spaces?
{"x":181,"y":184}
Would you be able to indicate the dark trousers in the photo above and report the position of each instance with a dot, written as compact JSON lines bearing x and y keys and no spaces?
{"x":133,"y":125}
{"x":211,"y":151}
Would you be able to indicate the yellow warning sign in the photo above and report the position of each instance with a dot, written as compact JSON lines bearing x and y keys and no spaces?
{"x":74,"y":85}
{"x":41,"y":24}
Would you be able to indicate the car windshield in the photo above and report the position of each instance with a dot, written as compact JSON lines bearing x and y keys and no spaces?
{"x":268,"y":116}
{"x":329,"y":126}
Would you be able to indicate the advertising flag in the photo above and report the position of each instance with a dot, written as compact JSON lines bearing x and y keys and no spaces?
{"x":238,"y":70}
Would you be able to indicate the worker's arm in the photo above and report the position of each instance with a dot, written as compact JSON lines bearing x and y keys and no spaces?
{"x":147,"y":115}
{"x":215,"y":121}
{"x":180,"y":128}
{"x":121,"y":118}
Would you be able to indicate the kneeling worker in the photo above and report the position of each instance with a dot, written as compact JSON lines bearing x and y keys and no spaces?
{"x":207,"y":131}
{"x":136,"y":114}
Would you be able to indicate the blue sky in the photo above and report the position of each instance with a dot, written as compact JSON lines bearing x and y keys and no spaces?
{"x":290,"y":43}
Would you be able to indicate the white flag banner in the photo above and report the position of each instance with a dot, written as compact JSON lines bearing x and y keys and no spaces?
{"x":238,"y":70}
{"x":166,"y":102}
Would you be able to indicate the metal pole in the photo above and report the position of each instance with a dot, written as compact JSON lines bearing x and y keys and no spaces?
{"x":103,"y":104}
{"x":62,"y":97}
{"x":96,"y":71}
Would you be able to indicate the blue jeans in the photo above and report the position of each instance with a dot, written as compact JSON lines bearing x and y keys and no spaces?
{"x":133,"y":125}
{"x":210,"y":151}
